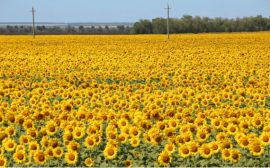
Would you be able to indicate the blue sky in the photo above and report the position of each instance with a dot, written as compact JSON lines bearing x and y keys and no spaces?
{"x":126,"y":10}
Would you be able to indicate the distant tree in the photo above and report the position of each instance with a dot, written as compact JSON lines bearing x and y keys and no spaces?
{"x":70,"y":29}
{"x":121,"y":28}
{"x":39,"y":28}
{"x":81,"y":28}
{"x":100,"y":29}
{"x":93,"y":29}
{"x":43,"y":28}
{"x":21,"y":27}
{"x":142,"y":27}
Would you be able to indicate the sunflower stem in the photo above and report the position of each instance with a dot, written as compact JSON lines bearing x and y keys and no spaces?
{"x":268,"y":155}
{"x":194,"y":161}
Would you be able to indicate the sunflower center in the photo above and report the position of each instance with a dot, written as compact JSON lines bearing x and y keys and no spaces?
{"x":41,"y":158}
{"x":235,"y":156}
{"x":70,"y":137}
{"x":258,"y":122}
{"x":170,"y":148}
{"x":185,"y":151}
{"x":207,"y":151}
{"x":135,"y":132}
{"x":90,"y":142}
{"x":265,"y":139}
{"x":162,"y":127}
{"x":257,"y":149}
{"x":78,"y":133}
{"x":58,"y":152}
{"x":194,"y":149}
{"x":110,"y":152}
{"x":245,"y":142}
{"x":215,"y":147}
{"x":10,"y":145}
{"x":122,"y":138}
{"x":202,"y":135}
{"x":113,"y":136}
{"x":165,"y":159}
{"x":227,"y":154}
{"x":71,"y":157}
{"x":34,"y":147}
{"x":74,"y":147}
{"x":52,"y":129}
{"x":232,"y":129}
{"x":33,"y":134}
{"x":2,"y":162}
{"x":217,"y":123}
{"x":20,"y":156}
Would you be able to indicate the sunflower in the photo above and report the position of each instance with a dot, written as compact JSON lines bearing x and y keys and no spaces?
{"x":226,"y":144}
{"x":90,"y":142}
{"x":257,"y":122}
{"x":188,"y":136}
{"x":51,"y":127}
{"x":54,"y":142}
{"x":128,"y":163}
{"x":122,"y":138}
{"x":110,"y":152}
{"x":112,"y":135}
{"x":146,"y":138}
{"x":10,"y":131}
{"x":71,"y":157}
{"x":45,"y":142}
{"x":170,"y":148}
{"x":265,"y":138}
{"x":28,"y":124}
{"x":206,"y":151}
{"x":232,"y":129}
{"x":68,"y":136}
{"x":1,"y":151}
{"x":244,"y":142}
{"x":184,"y":151}
{"x":161,"y":125}
{"x":20,"y":148}
{"x":19,"y":156}
{"x":49,"y":152}
{"x":135,"y":142}
{"x":33,"y":146}
{"x":40,"y":157}
{"x":24,"y":139}
{"x":180,"y":140}
{"x":89,"y":162}
{"x":2,"y":118}
{"x":202,"y":135}
{"x":164,"y":158}
{"x":236,"y":155}
{"x":173,"y":123}
{"x":97,"y":138}
{"x":78,"y":133}
{"x":57,"y":152}
{"x":33,"y":133}
{"x":135,"y":132}
{"x":3,"y":161}
{"x":10,"y":144}
{"x":74,"y":146}
{"x":216,"y":123}
{"x":256,"y":148}
{"x":221,"y":136}
{"x":169,"y":132}
{"x":227,"y":154}
{"x":157,"y":139}
{"x":215,"y":146}
{"x":194,"y":147}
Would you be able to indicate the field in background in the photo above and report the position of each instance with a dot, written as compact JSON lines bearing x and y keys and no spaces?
{"x":144,"y":100}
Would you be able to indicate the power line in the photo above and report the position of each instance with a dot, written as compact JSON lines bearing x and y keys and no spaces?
{"x":33,"y":22}
{"x":168,"y":20}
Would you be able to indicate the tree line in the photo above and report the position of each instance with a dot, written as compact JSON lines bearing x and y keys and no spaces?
{"x":68,"y":29}
{"x":189,"y":24}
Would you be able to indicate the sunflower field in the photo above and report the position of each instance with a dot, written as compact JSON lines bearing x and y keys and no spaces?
{"x":132,"y":101}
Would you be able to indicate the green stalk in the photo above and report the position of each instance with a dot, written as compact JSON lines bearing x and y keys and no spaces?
{"x":194,"y":161}
{"x":268,"y":156}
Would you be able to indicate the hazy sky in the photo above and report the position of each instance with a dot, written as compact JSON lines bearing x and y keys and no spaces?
{"x":126,"y":10}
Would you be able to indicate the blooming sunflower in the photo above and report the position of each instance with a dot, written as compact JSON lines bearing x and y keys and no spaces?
{"x":110,"y":152}
{"x":184,"y":151}
{"x":24,"y":139}
{"x":194,"y":147}
{"x":135,"y":132}
{"x":19,"y":156}
{"x":49,"y":152}
{"x":74,"y":146}
{"x":71,"y":157}
{"x":3,"y":161}
{"x":40,"y":157}
{"x":157,"y":139}
{"x":215,"y":146}
{"x":256,"y":148}
{"x":58,"y":152}
{"x":135,"y":142}
{"x":227,"y":154}
{"x":89,"y":162}
{"x":146,"y":137}
{"x":206,"y":151}
{"x":232,"y":129}
{"x":128,"y":163}
{"x":265,"y":138}
{"x":236,"y":155}
{"x":78,"y":133}
{"x":10,"y":144}
{"x":90,"y":142}
{"x":51,"y":127}
{"x":164,"y":158}
{"x":170,"y":148}
{"x":122,"y":138}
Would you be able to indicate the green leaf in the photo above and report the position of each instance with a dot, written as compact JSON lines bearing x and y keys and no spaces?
{"x":203,"y":163}
{"x":104,"y":164}
{"x":98,"y":159}
{"x":250,"y":163}
{"x":150,"y":164}
{"x":154,"y":155}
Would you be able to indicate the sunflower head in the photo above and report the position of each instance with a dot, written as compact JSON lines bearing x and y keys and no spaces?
{"x":164,"y":158}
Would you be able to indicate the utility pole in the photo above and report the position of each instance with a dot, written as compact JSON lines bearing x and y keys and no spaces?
{"x":33,"y":22}
{"x":168,"y":20}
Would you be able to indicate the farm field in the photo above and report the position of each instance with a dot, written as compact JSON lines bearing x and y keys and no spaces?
{"x":135,"y":101}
